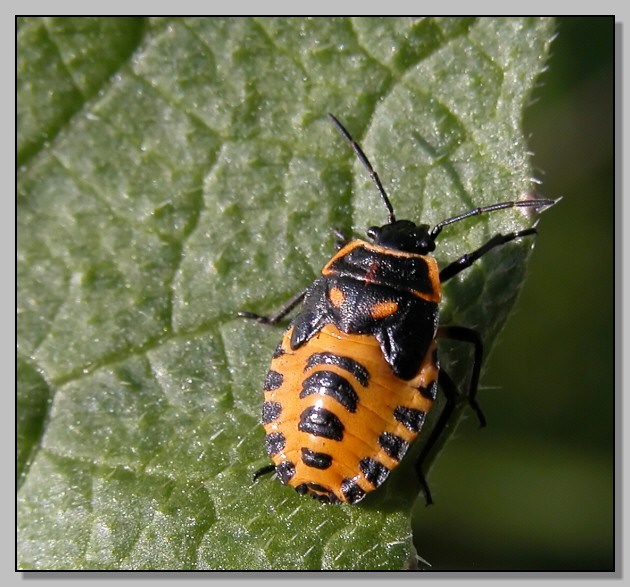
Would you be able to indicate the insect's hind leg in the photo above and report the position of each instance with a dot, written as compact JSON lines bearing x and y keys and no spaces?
{"x":279,"y":314}
{"x":263,"y":471}
{"x":448,"y":386}
{"x":452,"y":395}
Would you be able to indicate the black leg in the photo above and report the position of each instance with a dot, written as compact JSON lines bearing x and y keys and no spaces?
{"x":447,"y":385}
{"x":450,"y":391}
{"x":471,"y":336}
{"x":281,"y":313}
{"x":264,"y":471}
{"x":467,"y":260}
{"x":341,"y":240}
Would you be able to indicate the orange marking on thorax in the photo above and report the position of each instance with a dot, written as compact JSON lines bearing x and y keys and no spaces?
{"x":336,"y":297}
{"x":382,"y":310}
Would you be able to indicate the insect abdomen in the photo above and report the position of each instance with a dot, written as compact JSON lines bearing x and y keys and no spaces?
{"x":337,"y":420}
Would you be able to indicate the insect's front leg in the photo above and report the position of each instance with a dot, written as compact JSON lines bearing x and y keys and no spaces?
{"x":341,"y":240}
{"x":279,"y":314}
{"x":467,"y":260}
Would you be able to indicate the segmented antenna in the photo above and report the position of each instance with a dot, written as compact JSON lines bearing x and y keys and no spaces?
{"x":362,"y":157}
{"x":539,"y":204}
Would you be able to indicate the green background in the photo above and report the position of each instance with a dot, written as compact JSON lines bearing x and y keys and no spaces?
{"x":138,"y":411}
{"x":535,"y":488}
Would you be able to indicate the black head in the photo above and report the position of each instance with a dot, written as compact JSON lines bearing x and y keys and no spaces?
{"x":403,"y":235}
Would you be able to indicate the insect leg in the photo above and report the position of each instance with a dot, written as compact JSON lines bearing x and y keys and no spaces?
{"x":467,"y":260}
{"x":279,"y":314}
{"x":263,"y":471}
{"x":450,"y":391}
{"x":463,"y":334}
{"x":471,"y":336}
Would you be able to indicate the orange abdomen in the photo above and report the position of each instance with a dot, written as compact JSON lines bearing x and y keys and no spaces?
{"x":337,"y":419}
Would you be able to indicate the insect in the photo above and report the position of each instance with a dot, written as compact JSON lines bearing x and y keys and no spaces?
{"x":357,"y":370}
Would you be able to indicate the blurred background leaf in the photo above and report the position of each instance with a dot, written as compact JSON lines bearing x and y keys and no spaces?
{"x":174,"y":170}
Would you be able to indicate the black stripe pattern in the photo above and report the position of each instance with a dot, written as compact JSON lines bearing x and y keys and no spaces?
{"x":275,"y":443}
{"x":271,"y":411}
{"x":352,"y":491}
{"x":410,"y":418}
{"x":393,"y":445}
{"x":321,"y":422}
{"x":317,"y":491}
{"x":317,"y":460}
{"x":333,"y":385}
{"x":285,"y":471}
{"x":374,"y":471}
{"x":346,"y":363}
{"x":273,"y":380}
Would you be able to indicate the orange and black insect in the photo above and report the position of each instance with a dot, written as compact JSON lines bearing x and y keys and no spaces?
{"x":357,"y":370}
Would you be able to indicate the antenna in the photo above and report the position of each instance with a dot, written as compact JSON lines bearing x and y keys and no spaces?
{"x":538,"y":204}
{"x":362,"y":157}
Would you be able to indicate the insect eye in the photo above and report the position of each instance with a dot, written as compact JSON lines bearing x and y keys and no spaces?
{"x":373,"y":232}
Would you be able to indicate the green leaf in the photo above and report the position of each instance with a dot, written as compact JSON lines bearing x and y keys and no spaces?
{"x":175,"y":171}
